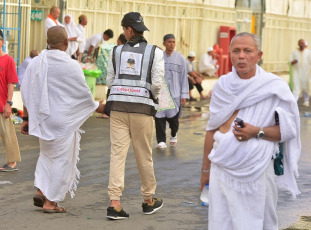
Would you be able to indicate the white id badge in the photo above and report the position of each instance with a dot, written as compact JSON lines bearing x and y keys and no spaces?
{"x":130,"y":63}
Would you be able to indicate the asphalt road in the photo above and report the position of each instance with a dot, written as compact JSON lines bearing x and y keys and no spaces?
{"x":177,"y":170}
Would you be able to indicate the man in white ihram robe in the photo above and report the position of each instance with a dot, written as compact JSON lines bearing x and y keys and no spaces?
{"x":300,"y":60}
{"x":238,"y":161}
{"x":57,"y":102}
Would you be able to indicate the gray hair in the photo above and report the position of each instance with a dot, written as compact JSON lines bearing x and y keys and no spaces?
{"x":255,"y":38}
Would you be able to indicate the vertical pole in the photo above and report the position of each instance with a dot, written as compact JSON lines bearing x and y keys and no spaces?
{"x":19,"y":34}
{"x":261,"y":24}
{"x":4,"y":47}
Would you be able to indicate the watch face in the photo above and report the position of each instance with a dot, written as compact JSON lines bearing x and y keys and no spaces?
{"x":10,"y":103}
{"x":261,"y":134}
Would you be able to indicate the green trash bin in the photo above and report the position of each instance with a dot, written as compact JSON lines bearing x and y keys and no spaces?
{"x":90,"y":77}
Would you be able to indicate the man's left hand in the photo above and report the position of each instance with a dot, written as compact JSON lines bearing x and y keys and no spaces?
{"x":7,"y":111}
{"x":183,"y":101}
{"x":247,"y":132}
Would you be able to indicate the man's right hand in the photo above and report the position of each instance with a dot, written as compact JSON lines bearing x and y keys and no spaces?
{"x":198,"y":80}
{"x":100,"y":108}
{"x":204,"y":179}
{"x":294,"y":62}
{"x":24,"y":127}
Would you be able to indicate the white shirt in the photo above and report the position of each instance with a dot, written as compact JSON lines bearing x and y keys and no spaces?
{"x":206,"y":62}
{"x":82,"y":36}
{"x":50,"y":23}
{"x":94,"y":41}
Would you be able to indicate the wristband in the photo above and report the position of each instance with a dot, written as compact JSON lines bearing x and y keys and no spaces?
{"x":25,"y":118}
{"x":205,"y":170}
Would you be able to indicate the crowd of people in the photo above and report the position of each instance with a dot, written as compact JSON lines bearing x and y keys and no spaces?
{"x":239,"y":157}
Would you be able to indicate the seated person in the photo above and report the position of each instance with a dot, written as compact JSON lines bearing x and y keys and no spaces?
{"x":207,"y":64}
{"x":194,"y":77}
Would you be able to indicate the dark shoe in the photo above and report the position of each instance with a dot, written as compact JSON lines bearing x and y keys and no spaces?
{"x":8,"y":168}
{"x":151,"y":208}
{"x":112,"y":213}
{"x":38,"y":201}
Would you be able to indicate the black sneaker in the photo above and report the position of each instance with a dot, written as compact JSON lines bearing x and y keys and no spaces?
{"x":151,"y":208}
{"x":112,"y":213}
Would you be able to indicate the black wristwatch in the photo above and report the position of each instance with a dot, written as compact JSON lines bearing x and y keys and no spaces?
{"x":10,"y":102}
{"x":261,"y":133}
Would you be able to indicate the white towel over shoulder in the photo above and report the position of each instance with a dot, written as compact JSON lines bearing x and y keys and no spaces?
{"x":56,"y":95}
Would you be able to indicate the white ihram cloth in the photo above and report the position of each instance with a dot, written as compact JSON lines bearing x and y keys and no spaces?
{"x":301,"y":72}
{"x":83,"y":38}
{"x":58,"y":101}
{"x":240,"y":164}
{"x":72,"y":31}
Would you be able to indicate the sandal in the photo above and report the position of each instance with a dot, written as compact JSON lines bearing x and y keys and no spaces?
{"x":173,"y":140}
{"x":56,"y":209}
{"x":8,"y":168}
{"x":38,"y":201}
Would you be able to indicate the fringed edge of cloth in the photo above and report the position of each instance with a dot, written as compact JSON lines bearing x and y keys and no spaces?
{"x":74,"y":184}
{"x":242,"y":187}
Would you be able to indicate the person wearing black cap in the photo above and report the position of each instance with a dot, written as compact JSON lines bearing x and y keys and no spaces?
{"x":8,"y":77}
{"x":135,"y":75}
{"x":177,"y":82}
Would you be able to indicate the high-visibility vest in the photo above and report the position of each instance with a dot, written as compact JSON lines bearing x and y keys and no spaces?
{"x":132,"y":83}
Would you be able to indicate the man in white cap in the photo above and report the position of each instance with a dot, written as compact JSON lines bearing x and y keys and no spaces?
{"x":194,"y":77}
{"x":207,"y":64}
{"x":135,"y":76}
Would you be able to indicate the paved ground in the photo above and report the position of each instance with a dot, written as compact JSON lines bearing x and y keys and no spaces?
{"x":177,"y":171}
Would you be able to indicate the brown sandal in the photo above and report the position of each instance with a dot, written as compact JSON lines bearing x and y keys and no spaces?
{"x":57,"y":209}
{"x":38,"y":201}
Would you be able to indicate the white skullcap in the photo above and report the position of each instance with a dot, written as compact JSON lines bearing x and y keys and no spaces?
{"x":191,"y":54}
{"x":210,"y":49}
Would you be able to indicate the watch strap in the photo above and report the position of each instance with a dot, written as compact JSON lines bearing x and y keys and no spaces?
{"x":10,"y":102}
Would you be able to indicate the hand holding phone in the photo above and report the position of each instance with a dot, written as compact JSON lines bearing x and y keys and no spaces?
{"x":239,"y":122}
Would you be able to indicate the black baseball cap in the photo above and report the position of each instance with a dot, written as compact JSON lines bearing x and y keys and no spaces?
{"x":134,"y":20}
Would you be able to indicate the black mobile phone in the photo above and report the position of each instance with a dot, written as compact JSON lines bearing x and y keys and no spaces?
{"x":239,"y":121}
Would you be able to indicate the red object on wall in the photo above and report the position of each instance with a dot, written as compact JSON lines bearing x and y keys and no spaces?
{"x":226,"y":33}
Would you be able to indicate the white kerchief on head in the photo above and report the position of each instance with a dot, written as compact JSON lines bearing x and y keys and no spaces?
{"x":71,"y":28}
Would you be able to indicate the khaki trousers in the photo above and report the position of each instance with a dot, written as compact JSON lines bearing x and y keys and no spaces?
{"x":9,"y":139}
{"x":125,"y":127}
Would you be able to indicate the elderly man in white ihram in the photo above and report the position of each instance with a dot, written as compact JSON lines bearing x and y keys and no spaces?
{"x":238,"y":160}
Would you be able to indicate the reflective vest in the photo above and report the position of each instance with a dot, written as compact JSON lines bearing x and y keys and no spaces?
{"x":132,"y":83}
